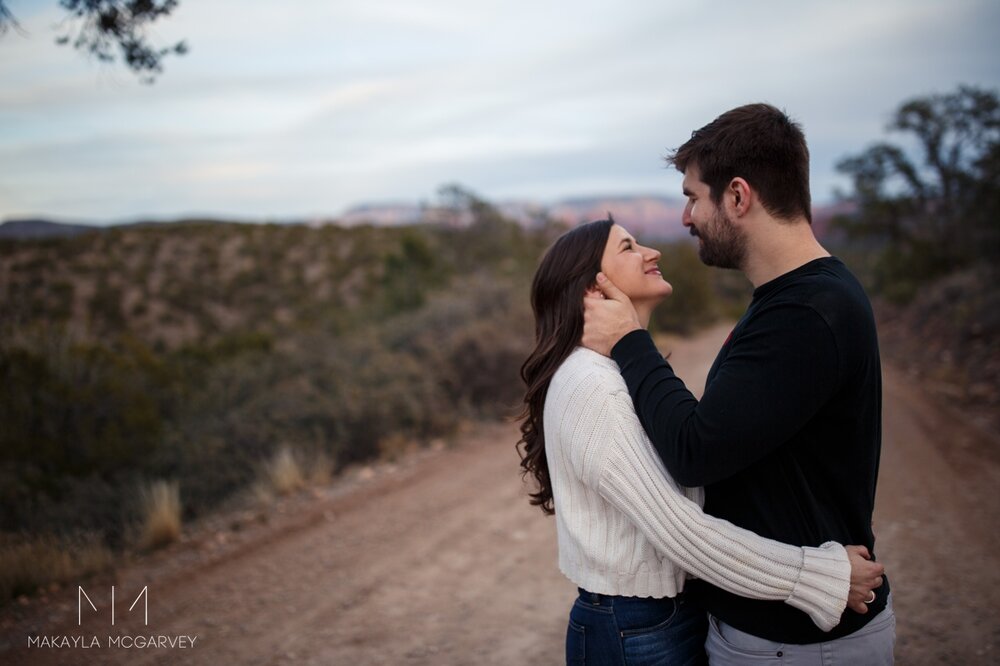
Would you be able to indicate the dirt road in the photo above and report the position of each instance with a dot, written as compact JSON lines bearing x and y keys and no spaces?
{"x":439,"y":559}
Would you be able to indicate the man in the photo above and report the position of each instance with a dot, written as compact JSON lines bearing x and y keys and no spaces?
{"x":786,"y":437}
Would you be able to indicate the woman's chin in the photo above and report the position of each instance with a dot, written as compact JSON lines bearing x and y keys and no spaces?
{"x":662,"y":292}
{"x":650,"y":303}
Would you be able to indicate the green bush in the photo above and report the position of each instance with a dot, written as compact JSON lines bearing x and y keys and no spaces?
{"x":337,"y":343}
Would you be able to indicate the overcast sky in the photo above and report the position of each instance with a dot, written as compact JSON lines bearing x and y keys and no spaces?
{"x":304,"y":108}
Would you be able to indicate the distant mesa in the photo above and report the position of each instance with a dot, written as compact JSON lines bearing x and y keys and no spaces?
{"x":389,"y":214}
{"x":647,"y":216}
{"x":36,"y":228}
{"x":655,"y":218}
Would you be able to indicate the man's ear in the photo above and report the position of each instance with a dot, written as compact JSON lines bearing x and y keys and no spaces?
{"x":738,"y":196}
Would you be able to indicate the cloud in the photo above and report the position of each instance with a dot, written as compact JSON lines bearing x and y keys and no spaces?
{"x":310,"y":107}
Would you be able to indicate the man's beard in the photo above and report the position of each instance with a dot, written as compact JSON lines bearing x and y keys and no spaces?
{"x":723,"y":245}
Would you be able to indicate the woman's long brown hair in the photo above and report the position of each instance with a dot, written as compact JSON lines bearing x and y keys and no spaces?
{"x":568,"y":268}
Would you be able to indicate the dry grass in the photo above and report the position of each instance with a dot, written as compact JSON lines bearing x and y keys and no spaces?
{"x":320,"y":469}
{"x":28,"y":564}
{"x":289,"y":471}
{"x":283,"y":472}
{"x":162,"y":515}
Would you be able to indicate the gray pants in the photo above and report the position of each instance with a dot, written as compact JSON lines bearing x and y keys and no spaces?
{"x":870,"y":645}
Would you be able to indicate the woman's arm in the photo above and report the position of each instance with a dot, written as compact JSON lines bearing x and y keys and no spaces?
{"x":626,"y":471}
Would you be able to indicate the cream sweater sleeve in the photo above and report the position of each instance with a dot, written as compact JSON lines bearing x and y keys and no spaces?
{"x":624,"y":468}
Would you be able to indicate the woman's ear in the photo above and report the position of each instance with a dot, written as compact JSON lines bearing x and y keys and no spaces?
{"x":593,"y":291}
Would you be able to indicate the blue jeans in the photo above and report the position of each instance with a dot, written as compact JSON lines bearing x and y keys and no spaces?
{"x":632,"y":631}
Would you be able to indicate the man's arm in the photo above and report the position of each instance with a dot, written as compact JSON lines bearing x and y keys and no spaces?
{"x":777,"y":374}
{"x":608,"y":315}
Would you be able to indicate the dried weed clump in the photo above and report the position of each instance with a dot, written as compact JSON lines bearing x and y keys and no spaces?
{"x":161,"y":515}
{"x":283,"y":473}
{"x":321,"y":469}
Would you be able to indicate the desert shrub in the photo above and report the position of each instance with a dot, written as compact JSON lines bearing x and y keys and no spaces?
{"x":60,"y":300}
{"x":392,"y":393}
{"x":472,"y":339}
{"x":30,"y":562}
{"x":949,"y":337}
{"x":77,"y":408}
{"x":411,"y":271}
{"x":398,"y":337}
{"x":106,"y":307}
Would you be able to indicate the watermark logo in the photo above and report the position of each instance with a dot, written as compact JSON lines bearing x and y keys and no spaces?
{"x":81,"y":594}
{"x":87,"y":607}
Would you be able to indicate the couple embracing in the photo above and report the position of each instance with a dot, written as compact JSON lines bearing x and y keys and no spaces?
{"x":735,"y":529}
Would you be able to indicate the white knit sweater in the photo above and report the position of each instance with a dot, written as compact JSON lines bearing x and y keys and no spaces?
{"x":625,"y":527}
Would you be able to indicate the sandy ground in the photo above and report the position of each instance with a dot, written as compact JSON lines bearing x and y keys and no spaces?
{"x":437,"y":558}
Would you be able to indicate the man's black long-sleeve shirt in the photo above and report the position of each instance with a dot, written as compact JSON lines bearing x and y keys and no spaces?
{"x":787,"y":435}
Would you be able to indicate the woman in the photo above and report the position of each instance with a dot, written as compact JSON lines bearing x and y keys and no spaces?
{"x":627,"y":533}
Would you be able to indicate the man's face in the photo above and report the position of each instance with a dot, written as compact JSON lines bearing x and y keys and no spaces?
{"x":720,"y":242}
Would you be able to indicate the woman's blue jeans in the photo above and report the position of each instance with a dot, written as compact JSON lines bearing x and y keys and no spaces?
{"x":632,"y":631}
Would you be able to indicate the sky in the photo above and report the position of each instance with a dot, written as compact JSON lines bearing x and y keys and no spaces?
{"x":302,"y":109}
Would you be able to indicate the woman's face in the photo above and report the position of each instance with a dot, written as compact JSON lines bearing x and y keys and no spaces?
{"x":632,"y":268}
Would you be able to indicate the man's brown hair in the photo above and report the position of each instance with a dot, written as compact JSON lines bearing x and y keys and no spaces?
{"x":760,"y":144}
